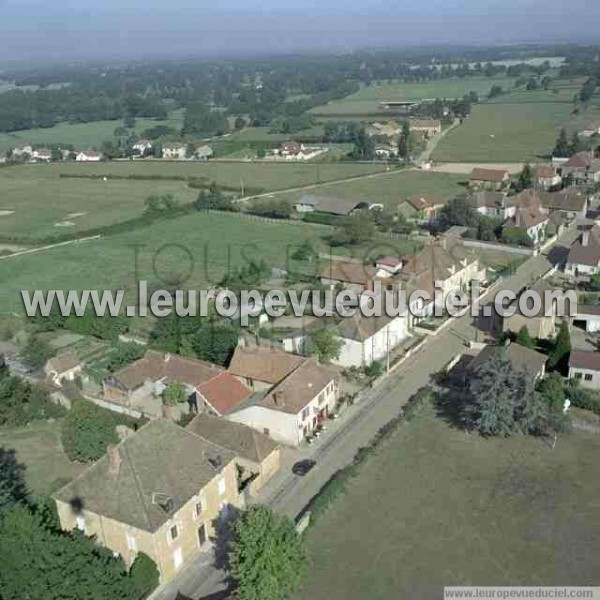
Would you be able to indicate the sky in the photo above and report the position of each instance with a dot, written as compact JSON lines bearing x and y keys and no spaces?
{"x":39,"y":30}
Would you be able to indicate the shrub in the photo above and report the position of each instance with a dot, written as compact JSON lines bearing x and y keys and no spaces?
{"x":144,"y":574}
{"x":586,"y":399}
{"x":374,"y":369}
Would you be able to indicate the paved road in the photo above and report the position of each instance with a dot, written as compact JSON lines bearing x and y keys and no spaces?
{"x":466,"y":168}
{"x":289,"y":494}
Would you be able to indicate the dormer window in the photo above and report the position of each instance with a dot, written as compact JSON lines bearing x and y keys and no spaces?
{"x":174,"y":533}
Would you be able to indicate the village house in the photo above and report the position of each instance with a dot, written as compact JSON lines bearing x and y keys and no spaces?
{"x":353,"y":275}
{"x":42,"y":155}
{"x":21,"y":150}
{"x":160,"y":491}
{"x":63,"y":367}
{"x":489,"y":179}
{"x":391,"y":264}
{"x":140,"y":385}
{"x":295,"y":407}
{"x":367,"y":339}
{"x":386,"y":152}
{"x":584,"y":367}
{"x":583,"y":168}
{"x":522,"y":360}
{"x":296,"y":151}
{"x":258,"y":456}
{"x":174,"y":150}
{"x":545,"y":176}
{"x":261,"y":367}
{"x":541,"y":326}
{"x":426,"y":127}
{"x":423,"y":208}
{"x":203,"y":152}
{"x":570,"y":203}
{"x":222,"y":394}
{"x":446,"y":262}
{"x":142,"y":146}
{"x":495,"y":205}
{"x":88,"y":156}
{"x":584,"y":254}
{"x":329,"y":204}
{"x":532,"y":221}
{"x":595,"y":130}
{"x":587,"y":317}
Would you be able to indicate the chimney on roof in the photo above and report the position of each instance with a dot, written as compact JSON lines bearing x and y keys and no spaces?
{"x":585,"y":238}
{"x":114,"y":460}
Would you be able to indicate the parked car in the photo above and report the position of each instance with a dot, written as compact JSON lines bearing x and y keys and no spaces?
{"x":302,"y":467}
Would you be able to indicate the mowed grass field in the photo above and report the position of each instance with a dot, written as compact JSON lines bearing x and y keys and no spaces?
{"x":38,"y":447}
{"x":197,"y":249}
{"x":520,"y":126}
{"x":82,"y":136}
{"x":38,"y":203}
{"x":367,"y":100}
{"x":440,"y":507}
{"x":390,"y":188}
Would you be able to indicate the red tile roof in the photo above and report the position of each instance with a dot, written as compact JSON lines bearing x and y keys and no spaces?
{"x":224,"y":392}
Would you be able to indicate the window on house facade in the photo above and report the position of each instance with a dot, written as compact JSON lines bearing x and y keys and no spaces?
{"x":321,"y":397}
{"x":174,"y":532}
{"x":198,"y":509}
{"x":588,"y":377}
{"x":221,"y":486}
{"x":577,"y":375}
{"x":305,"y":413}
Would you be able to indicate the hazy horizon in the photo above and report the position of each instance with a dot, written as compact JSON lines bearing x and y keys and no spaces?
{"x":31,"y":30}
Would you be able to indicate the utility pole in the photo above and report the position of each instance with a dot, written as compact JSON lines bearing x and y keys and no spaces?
{"x":388,"y":350}
{"x":242,"y":186}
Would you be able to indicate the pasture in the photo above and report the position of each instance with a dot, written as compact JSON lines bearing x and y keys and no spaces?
{"x":35,"y":203}
{"x":82,"y":136}
{"x":367,"y":100}
{"x":436,"y":506}
{"x":520,"y":126}
{"x":197,"y":249}
{"x":389,"y":188}
{"x":38,"y":447}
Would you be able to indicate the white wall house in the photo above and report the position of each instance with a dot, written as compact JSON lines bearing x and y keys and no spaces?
{"x":175,"y":151}
{"x":88,"y":156}
{"x":584,"y":255}
{"x":294,"y":408}
{"x":368,"y":339}
{"x":584,"y":367}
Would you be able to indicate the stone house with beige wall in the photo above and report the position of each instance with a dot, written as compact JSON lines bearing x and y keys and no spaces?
{"x":163,"y":491}
{"x":258,"y":456}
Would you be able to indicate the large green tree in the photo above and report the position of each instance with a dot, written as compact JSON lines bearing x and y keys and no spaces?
{"x":39,"y":562}
{"x":12,"y":480}
{"x":87,"y":431}
{"x":524,"y":339}
{"x":355,"y":229}
{"x":501,"y":401}
{"x":267,"y":559}
{"x":561,"y":349}
{"x":324,"y":344}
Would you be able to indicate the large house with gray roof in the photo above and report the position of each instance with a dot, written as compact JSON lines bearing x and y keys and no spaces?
{"x":160,"y":491}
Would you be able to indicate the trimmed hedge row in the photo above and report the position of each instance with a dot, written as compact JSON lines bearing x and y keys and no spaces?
{"x":337,"y":484}
{"x":586,"y":399}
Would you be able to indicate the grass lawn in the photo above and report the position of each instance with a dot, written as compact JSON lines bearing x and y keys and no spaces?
{"x":390,"y":188}
{"x":38,"y":447}
{"x":49,"y":206}
{"x":262,"y":134}
{"x":81,"y":135}
{"x":43,"y":205}
{"x":198,"y":248}
{"x":520,"y":126}
{"x":439,"y":507}
{"x":367,"y":99}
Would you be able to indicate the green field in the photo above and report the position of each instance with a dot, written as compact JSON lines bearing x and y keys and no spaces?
{"x":38,"y":447}
{"x":437,"y":506}
{"x":520,"y":126}
{"x":390,"y":188}
{"x":44,"y":205}
{"x":198,"y":249}
{"x":81,"y":135}
{"x":367,"y":99}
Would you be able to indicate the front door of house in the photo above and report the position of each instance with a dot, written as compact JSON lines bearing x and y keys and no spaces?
{"x":202,"y":535}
